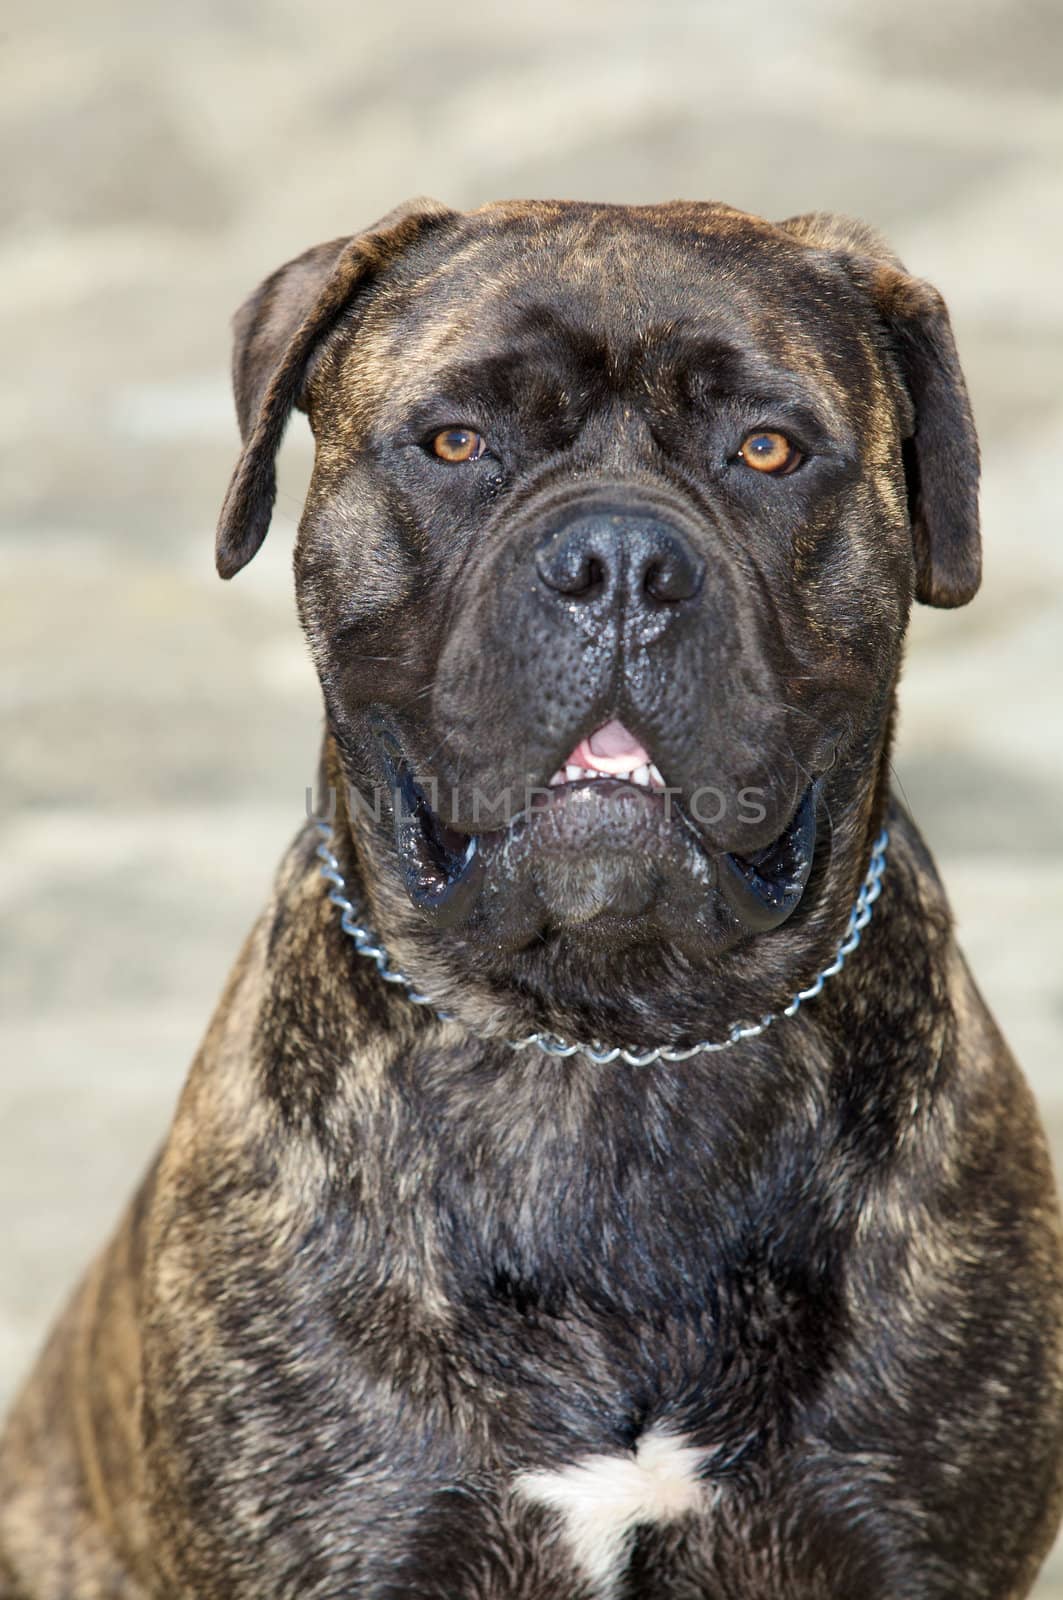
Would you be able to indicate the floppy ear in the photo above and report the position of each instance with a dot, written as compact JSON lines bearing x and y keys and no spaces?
{"x":276,"y":333}
{"x":941,"y":446}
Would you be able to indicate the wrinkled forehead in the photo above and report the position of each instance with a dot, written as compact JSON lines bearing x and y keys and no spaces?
{"x":624,"y":294}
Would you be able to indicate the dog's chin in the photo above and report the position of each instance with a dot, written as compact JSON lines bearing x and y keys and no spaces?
{"x":611,"y":864}
{"x":606,"y":861}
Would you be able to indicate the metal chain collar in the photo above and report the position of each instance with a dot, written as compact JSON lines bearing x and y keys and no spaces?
{"x":367,"y":945}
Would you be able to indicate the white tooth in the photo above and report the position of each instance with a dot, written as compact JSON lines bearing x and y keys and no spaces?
{"x":641,"y":775}
{"x":656,"y":779}
{"x":558,"y":777}
{"x":573,"y":774}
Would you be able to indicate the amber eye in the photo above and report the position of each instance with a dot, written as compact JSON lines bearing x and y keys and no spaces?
{"x":458,"y":444}
{"x":769,"y":452}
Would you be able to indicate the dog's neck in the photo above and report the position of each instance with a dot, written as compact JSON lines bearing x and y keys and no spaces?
{"x":596,"y":1051}
{"x":374,"y":1078}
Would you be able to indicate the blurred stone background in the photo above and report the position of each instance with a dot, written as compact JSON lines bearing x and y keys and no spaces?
{"x":157,"y":728}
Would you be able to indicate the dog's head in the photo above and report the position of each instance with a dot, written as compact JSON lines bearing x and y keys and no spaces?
{"x":616,"y":519}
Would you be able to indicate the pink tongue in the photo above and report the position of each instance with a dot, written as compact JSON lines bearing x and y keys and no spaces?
{"x":611,"y":749}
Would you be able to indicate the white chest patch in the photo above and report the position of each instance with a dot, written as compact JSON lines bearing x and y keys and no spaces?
{"x":602,"y":1499}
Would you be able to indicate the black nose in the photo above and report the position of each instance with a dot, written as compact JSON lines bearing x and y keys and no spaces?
{"x":607,"y":561}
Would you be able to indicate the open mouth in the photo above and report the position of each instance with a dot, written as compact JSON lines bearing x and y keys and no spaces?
{"x":612,"y":752}
{"x":444,"y":869}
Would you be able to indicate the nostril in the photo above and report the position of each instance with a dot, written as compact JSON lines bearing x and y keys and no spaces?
{"x":672,"y":576}
{"x":582,"y":579}
{"x":655,"y":581}
{"x":575,"y":569}
{"x":633,"y":561}
{"x":595,"y":577}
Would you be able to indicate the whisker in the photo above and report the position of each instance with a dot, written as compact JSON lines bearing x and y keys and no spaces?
{"x":900,"y":785}
{"x":797,"y":711}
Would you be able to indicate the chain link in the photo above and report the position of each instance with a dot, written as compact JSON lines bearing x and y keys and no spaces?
{"x":549,"y":1043}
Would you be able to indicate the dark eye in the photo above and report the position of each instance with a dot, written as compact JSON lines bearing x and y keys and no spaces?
{"x":769,"y":452}
{"x":458,"y":445}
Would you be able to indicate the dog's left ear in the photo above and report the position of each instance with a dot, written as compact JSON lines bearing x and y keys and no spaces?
{"x":941,"y":448}
{"x":276,"y":334}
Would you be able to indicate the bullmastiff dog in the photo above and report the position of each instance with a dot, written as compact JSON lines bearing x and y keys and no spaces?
{"x":601,"y":1177}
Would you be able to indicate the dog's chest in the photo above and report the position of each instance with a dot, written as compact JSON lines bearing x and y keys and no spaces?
{"x":654,"y":1522}
{"x":596,"y":1506}
{"x":609,"y":1449}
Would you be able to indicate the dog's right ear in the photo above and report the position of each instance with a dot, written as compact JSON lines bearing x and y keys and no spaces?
{"x":276,"y":332}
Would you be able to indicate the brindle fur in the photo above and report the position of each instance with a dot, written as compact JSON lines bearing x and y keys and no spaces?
{"x":380,"y":1267}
